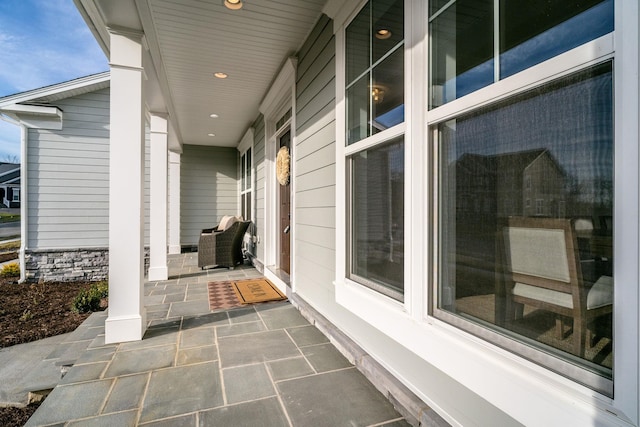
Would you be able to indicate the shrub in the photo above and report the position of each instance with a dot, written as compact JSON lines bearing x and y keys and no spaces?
{"x":89,"y":299}
{"x":10,"y":270}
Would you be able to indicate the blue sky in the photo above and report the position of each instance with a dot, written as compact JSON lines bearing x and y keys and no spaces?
{"x":42,"y":42}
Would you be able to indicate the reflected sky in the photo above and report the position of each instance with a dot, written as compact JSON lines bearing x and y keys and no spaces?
{"x":580,"y":29}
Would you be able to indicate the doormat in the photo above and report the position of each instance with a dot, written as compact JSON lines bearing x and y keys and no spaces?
{"x":257,"y":290}
{"x":222,"y":295}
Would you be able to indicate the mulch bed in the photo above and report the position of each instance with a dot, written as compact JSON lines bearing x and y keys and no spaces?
{"x":30,"y":312}
{"x":8,"y":256}
{"x":17,"y":417}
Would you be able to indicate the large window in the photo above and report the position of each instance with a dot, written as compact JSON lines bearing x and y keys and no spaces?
{"x":374,"y":79}
{"x":537,"y":275}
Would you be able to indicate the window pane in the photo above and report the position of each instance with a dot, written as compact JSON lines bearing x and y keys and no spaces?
{"x":436,"y":5}
{"x":243,"y":176}
{"x":358,"y":34}
{"x":388,"y":27}
{"x":377,"y":218}
{"x":247,"y":213}
{"x":387,"y":92}
{"x":526,"y":208}
{"x":374,"y":70}
{"x":249,"y":183}
{"x":536,"y":30}
{"x":358,"y":110}
{"x":461,"y":50}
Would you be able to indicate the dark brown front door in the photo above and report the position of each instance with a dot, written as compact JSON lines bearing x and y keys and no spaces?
{"x":285,"y":211}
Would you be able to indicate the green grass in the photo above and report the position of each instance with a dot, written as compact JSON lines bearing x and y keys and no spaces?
{"x":7,"y":217}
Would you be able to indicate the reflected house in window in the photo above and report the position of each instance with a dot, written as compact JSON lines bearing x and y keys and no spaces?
{"x":498,"y":186}
{"x":10,"y":185}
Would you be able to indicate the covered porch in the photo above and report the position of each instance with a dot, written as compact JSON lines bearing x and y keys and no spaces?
{"x":264,"y":364}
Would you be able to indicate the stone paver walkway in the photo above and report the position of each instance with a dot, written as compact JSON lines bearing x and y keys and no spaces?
{"x":260,"y":365}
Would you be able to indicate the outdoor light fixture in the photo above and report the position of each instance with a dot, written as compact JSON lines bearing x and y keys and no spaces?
{"x":383,"y":34}
{"x":233,"y":4}
{"x":213,"y":116}
{"x":221,"y":75}
{"x":377,"y":94}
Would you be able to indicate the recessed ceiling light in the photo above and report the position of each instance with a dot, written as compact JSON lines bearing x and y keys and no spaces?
{"x":221,"y":75}
{"x":213,"y":116}
{"x":383,"y":34}
{"x":233,"y":4}
{"x":211,"y":134}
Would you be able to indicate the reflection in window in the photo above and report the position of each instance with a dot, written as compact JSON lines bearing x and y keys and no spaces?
{"x":377,"y":217}
{"x":526,"y":208}
{"x":375,"y":69}
{"x":246,"y":185}
{"x":464,"y":35}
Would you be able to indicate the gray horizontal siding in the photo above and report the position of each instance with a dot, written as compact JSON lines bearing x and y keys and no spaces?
{"x":68,"y":177}
{"x":315,"y":178}
{"x":208,"y":189}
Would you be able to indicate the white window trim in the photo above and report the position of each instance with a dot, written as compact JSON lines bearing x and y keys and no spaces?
{"x":350,"y":293}
{"x":280,"y":98}
{"x":246,"y":144}
{"x":502,"y":378}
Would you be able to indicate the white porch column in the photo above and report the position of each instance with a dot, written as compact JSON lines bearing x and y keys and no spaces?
{"x":127,"y":317}
{"x":159,"y":171}
{"x":174,"y":203}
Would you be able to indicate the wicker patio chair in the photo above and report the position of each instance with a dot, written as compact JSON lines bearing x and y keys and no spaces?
{"x":222,"y":248}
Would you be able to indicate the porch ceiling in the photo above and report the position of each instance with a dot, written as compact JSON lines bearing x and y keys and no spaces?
{"x":190,"y":40}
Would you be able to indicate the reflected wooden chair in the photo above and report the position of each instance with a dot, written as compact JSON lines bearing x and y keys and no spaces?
{"x":543,"y":270}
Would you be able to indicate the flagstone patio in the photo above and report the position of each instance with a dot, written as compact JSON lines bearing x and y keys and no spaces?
{"x":260,"y":365}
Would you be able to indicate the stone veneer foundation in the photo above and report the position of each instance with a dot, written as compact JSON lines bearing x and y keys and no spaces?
{"x":70,"y":265}
{"x":67,"y":265}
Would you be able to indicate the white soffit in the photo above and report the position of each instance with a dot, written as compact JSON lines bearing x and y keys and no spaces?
{"x":190,"y":40}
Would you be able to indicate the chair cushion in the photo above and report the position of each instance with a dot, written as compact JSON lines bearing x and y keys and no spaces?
{"x":543,"y":294}
{"x":226,"y":222}
{"x":600,"y":294}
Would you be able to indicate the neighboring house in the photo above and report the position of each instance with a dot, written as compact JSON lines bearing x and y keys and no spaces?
{"x":401,"y":119}
{"x":505,"y":185}
{"x":10,"y":185}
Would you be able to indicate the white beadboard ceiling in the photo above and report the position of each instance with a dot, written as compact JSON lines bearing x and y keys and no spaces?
{"x":189,"y":40}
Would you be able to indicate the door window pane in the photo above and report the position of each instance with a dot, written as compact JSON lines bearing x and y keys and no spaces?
{"x":377,"y":218}
{"x":526,"y":208}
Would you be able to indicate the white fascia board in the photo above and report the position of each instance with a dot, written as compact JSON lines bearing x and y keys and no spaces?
{"x":247,"y":141}
{"x":35,"y":116}
{"x":284,"y":81}
{"x":94,"y":20}
{"x":34,"y":95}
{"x":340,"y":11}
